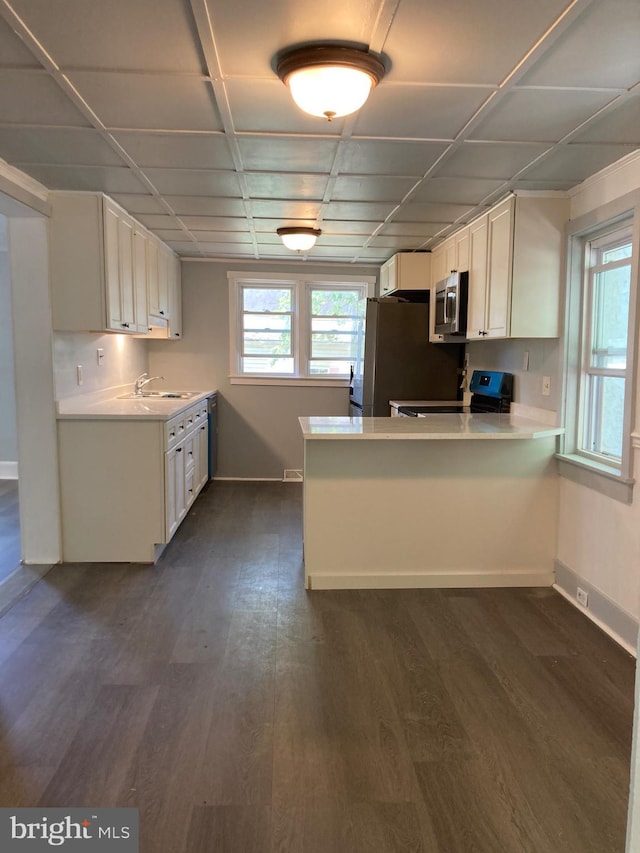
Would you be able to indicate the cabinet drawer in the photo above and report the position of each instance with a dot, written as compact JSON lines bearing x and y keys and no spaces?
{"x":174,"y":431}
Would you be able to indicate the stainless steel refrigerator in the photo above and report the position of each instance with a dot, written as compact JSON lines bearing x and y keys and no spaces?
{"x":399,"y":362}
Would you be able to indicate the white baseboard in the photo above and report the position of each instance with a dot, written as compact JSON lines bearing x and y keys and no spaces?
{"x":8,"y":470}
{"x":249,"y":479}
{"x":440,"y":580}
{"x":607,"y":615}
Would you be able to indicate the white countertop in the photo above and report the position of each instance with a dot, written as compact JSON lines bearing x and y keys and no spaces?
{"x":433,"y":427}
{"x":87,"y":407}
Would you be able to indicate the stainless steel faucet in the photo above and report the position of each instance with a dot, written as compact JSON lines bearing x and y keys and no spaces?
{"x":141,"y":382}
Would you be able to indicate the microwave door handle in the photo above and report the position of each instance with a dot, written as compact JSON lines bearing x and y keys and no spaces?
{"x":445,"y":300}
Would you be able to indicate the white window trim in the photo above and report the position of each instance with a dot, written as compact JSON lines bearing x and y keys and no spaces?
{"x":301,"y":282}
{"x":614,"y":481}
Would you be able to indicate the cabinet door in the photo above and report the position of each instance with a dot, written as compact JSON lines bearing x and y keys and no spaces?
{"x":477,"y":278}
{"x":125,"y":257}
{"x":203,"y":455}
{"x":163,"y":283}
{"x":388,"y":276}
{"x":140,"y":280}
{"x":462,"y":250}
{"x":152,"y":278}
{"x":170,"y":498}
{"x":449,"y":247}
{"x":175,"y":298}
{"x":499,"y":265}
{"x":112,"y":269}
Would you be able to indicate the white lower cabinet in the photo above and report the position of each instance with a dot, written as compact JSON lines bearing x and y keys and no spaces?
{"x":126,"y":485}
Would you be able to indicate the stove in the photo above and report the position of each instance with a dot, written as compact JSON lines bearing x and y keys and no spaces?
{"x":491,"y":390}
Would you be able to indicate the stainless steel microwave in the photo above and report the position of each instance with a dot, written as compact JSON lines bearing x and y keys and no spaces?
{"x":451,"y":297}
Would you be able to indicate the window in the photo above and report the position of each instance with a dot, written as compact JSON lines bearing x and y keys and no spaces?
{"x":600,"y":348}
{"x":605,"y":362}
{"x":286,"y":328}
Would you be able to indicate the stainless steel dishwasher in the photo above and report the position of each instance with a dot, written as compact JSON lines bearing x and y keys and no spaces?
{"x":212,"y":415}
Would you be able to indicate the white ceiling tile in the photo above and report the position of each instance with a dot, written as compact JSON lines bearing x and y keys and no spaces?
{"x":494,"y":161}
{"x":194,"y":182}
{"x":618,"y":124}
{"x":177,"y":150}
{"x":287,"y":154}
{"x":399,"y":243}
{"x":13,"y":52}
{"x":285,"y":209}
{"x":390,"y":157}
{"x":264,"y":225}
{"x":156,"y":101}
{"x":466,"y":41}
{"x":59,"y":146}
{"x":226,"y":249}
{"x":419,"y":111}
{"x":106,"y":179}
{"x":266,"y":106}
{"x":374,"y":255}
{"x":207,"y":223}
{"x":279,"y":24}
{"x":169,"y":234}
{"x":217,"y":223}
{"x":370,"y":188}
{"x":158,"y":221}
{"x":184,"y":248}
{"x":242,"y":237}
{"x":542,"y":115}
{"x":424,"y":212}
{"x":600,"y":49}
{"x":32,"y":97}
{"x":291,"y":186}
{"x":136,"y":204}
{"x":358,"y":210}
{"x":204,"y":205}
{"x":577,"y":162}
{"x":465,"y":191}
{"x":146,"y":35}
{"x":354,"y":228}
{"x":420,"y":230}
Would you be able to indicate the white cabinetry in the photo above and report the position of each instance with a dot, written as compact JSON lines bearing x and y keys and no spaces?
{"x":513,"y":254}
{"x":106,"y":268}
{"x":127,"y":484}
{"x":406,"y":271}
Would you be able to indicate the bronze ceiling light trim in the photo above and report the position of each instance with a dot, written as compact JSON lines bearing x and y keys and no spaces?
{"x":298,"y":238}
{"x":329,"y":80}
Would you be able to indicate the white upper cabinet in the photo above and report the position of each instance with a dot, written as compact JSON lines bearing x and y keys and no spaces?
{"x":513,"y":254}
{"x":406,"y":271}
{"x":104,"y":266}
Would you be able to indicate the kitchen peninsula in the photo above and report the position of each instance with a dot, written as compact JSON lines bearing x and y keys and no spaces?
{"x":451,"y":500}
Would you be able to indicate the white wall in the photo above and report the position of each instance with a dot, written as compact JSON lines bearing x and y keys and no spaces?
{"x":259,"y":435}
{"x":125,"y":358}
{"x":599,"y":538}
{"x":544,"y":360}
{"x":8,"y":429}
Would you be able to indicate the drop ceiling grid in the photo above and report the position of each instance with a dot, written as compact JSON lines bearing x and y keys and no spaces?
{"x":197,"y":136}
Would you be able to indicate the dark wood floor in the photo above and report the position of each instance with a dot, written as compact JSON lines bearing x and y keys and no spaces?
{"x":241,"y":714}
{"x":9,"y":528}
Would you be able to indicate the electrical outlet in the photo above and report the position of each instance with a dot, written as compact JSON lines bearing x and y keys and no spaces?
{"x":583,"y":597}
{"x":100,"y":356}
{"x":546,"y":386}
{"x":79,"y":374}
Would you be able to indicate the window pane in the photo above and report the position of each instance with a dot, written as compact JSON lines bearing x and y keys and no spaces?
{"x":266,"y":299}
{"x":336,"y":302}
{"x":619,"y":253}
{"x":267,"y":365}
{"x":328,"y":367}
{"x":604,"y":426}
{"x":610,"y":317}
{"x":267,"y":334}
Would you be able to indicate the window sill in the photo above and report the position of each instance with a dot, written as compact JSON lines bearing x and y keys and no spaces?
{"x":597,"y":476}
{"x":294,"y":381}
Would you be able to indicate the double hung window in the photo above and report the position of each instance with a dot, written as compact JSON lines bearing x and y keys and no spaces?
{"x":296,"y":328}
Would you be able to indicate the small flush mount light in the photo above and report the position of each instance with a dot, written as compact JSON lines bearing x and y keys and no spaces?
{"x":329,"y":80}
{"x":298,"y":238}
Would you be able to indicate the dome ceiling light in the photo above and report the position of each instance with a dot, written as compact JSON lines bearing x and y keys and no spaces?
{"x":329,"y":80}
{"x":298,"y":238}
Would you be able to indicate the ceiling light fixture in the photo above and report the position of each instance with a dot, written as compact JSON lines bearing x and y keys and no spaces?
{"x":298,"y":238}
{"x":329,"y":80}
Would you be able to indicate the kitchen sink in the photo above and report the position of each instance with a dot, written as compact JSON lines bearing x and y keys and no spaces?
{"x":161,"y":395}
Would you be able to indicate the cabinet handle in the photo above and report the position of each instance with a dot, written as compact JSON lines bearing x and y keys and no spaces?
{"x":202,"y":427}
{"x":191,"y":490}
{"x":172,"y":435}
{"x":191,"y":453}
{"x":178,"y":450}
{"x":124,"y":325}
{"x":161,"y":312}
{"x":177,"y":334}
